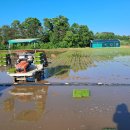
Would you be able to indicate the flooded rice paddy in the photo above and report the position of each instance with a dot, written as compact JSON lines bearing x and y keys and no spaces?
{"x":52,"y":107}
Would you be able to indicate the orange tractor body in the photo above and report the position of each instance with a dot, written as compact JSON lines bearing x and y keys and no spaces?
{"x":22,"y":67}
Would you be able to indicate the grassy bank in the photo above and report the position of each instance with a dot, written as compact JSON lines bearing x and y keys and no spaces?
{"x":125,"y":42}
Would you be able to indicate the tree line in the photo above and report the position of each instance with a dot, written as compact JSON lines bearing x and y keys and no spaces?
{"x":53,"y":33}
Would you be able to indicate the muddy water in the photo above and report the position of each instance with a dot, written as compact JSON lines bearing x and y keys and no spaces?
{"x":57,"y":109}
{"x":115,"y":71}
{"x":53,"y":107}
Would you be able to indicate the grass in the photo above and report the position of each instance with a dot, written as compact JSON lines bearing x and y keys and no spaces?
{"x":79,"y":93}
{"x":125,"y":42}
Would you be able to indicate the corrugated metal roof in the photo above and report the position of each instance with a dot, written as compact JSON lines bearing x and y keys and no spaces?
{"x":22,"y":40}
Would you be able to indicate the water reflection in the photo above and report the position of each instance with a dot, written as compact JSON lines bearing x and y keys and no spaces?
{"x":59,"y":71}
{"x":75,"y":61}
{"x":106,"y":69}
{"x":9,"y":104}
{"x":27,"y":103}
{"x":2,"y":88}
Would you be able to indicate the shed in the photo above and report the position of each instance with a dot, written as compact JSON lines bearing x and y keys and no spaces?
{"x":104,"y":43}
{"x":29,"y":40}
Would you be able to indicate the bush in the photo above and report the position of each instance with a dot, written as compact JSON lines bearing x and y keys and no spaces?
{"x":3,"y":47}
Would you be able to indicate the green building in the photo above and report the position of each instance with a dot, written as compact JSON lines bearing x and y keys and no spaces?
{"x":104,"y":43}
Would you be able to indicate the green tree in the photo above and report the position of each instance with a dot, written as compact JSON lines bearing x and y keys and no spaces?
{"x":6,"y":33}
{"x":56,"y":28}
{"x":18,"y":29}
{"x":56,"y":32}
{"x":81,"y":35}
{"x":69,"y":39}
{"x":31,"y":27}
{"x":105,"y":35}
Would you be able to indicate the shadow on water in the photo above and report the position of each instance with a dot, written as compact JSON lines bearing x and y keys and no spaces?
{"x":1,"y":94}
{"x":2,"y":88}
{"x":122,"y":117}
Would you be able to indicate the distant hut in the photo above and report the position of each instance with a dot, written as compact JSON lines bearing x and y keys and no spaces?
{"x":104,"y":43}
{"x":23,"y":41}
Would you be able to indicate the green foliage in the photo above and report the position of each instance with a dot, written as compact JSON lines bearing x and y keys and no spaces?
{"x":57,"y":28}
{"x":54,"y":33}
{"x":6,"y":32}
{"x":31,"y":27}
{"x":48,"y":45}
{"x":125,"y":42}
{"x":105,"y":35}
{"x":17,"y":27}
{"x":80,"y":36}
{"x":3,"y":47}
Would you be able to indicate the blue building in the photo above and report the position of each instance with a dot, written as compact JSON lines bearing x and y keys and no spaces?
{"x":104,"y":43}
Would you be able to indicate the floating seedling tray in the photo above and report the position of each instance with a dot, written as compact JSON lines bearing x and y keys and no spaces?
{"x":79,"y":93}
{"x":38,"y":54}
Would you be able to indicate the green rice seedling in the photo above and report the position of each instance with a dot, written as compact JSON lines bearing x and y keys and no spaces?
{"x":12,"y":70}
{"x":38,"y":62}
{"x":38,"y":54}
{"x":80,"y":59}
{"x":4,"y":55}
{"x":79,"y":93}
{"x":38,"y":58}
{"x":3,"y":60}
{"x":3,"y":63}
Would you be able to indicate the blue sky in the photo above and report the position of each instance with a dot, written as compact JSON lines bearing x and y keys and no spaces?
{"x":98,"y":15}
